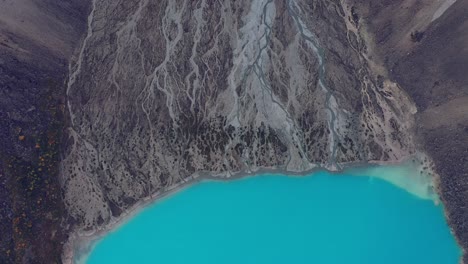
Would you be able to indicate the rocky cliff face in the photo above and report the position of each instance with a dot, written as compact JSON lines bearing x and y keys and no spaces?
{"x":165,"y":90}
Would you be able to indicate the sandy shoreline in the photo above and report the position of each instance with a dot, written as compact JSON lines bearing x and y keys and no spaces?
{"x":80,"y":244}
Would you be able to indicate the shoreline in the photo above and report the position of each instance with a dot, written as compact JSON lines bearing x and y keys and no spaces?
{"x":81,"y":243}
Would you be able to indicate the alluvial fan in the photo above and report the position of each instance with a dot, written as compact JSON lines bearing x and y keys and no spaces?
{"x":163,"y":91}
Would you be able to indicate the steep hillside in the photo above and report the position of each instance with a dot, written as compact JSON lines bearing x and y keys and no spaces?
{"x":37,"y":38}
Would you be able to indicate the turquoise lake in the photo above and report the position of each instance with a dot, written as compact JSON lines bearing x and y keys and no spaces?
{"x":277,"y":219}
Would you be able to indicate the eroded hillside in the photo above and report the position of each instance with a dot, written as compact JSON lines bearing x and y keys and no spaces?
{"x":166,"y":90}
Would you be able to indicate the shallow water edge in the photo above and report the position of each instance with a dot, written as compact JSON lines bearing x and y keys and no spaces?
{"x":421,"y":183}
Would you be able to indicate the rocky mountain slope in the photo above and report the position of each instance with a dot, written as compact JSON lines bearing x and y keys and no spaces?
{"x":37,"y":38}
{"x":161,"y":92}
{"x":166,"y":90}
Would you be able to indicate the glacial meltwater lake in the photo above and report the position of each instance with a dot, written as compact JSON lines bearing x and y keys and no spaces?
{"x":276,"y":219}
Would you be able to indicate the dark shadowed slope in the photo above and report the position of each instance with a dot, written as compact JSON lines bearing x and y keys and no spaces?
{"x":37,"y":38}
